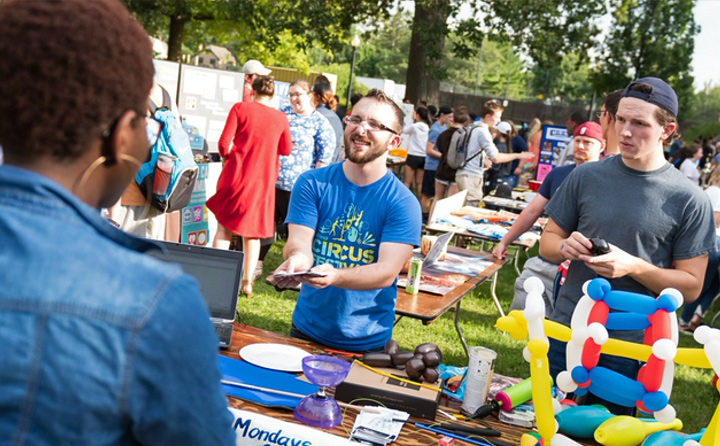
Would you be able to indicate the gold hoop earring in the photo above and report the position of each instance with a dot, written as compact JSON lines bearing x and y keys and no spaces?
{"x":131,"y":159}
{"x":89,"y":171}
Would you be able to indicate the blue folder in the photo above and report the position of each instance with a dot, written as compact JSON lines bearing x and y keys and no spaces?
{"x":246,"y":373}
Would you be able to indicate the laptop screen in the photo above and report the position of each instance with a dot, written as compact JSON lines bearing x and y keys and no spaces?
{"x":218,"y":271}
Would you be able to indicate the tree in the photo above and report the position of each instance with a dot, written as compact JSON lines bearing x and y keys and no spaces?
{"x":384,"y":51}
{"x":649,"y":38}
{"x":568,"y":83}
{"x":427,"y":45}
{"x":249,"y":22}
{"x":544,"y":30}
{"x":170,"y":17}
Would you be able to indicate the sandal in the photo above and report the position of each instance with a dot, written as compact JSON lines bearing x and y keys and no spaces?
{"x":247,"y":288}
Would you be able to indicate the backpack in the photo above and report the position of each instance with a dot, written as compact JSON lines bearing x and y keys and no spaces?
{"x":457,"y":150}
{"x":171,"y":172}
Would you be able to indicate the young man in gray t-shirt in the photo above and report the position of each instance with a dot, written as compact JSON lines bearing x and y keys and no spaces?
{"x":659,"y":226}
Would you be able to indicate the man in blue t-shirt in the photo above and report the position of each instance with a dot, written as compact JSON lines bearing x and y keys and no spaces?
{"x":353,"y":225}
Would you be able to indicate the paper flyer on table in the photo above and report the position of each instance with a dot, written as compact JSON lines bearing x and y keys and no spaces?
{"x":253,"y":429}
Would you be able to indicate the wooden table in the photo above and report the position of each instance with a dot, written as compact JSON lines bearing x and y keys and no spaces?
{"x":410,"y":435}
{"x":428,"y":307}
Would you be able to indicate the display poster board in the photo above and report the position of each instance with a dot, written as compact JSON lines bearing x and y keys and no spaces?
{"x":554,"y":139}
{"x":195,"y":227}
{"x":206,"y":97}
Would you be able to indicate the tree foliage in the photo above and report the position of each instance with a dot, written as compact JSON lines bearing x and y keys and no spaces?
{"x":544,"y":30}
{"x":649,"y":38}
{"x":246,"y":23}
{"x":567,"y":83}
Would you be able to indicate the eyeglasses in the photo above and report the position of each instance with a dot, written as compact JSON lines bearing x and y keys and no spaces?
{"x":153,"y":128}
{"x":371,"y":124}
{"x":600,"y":113}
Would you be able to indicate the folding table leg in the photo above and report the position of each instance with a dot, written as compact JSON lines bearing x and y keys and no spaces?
{"x":459,"y":330}
{"x":493,"y":285}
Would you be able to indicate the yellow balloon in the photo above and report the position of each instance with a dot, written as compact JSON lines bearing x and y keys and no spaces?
{"x":624,"y":430}
{"x":541,"y":383}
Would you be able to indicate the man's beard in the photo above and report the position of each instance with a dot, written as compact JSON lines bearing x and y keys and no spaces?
{"x":373,"y":152}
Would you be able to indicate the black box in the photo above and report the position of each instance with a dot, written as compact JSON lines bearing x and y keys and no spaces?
{"x":414,"y":399}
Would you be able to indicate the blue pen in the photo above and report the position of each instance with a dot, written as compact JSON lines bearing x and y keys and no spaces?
{"x":452,"y":435}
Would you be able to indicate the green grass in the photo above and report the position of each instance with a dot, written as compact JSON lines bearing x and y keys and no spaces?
{"x":693,"y":395}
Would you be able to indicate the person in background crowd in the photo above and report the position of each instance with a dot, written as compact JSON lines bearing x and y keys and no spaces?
{"x":445,"y":175}
{"x":606,"y":116}
{"x":499,"y":171}
{"x":313,"y":147}
{"x":101,"y":344}
{"x":417,"y":144}
{"x":353,"y":100}
{"x":470,"y":177}
{"x":589,"y":143}
{"x":324,"y":104}
{"x":134,"y":212}
{"x":432,"y":112}
{"x":708,"y":152}
{"x":252,"y":69}
{"x":518,"y":146}
{"x":535,"y":139}
{"x":535,"y":125}
{"x":356,"y":225}
{"x":339,"y":110}
{"x":432,"y":158}
{"x":566,"y":155}
{"x":675,"y":147}
{"x":667,"y":223}
{"x":690,"y":165}
{"x":693,"y":312}
{"x":244,"y":203}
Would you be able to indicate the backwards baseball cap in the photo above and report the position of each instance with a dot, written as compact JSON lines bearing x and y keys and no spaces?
{"x":445,"y":110}
{"x":253,"y":66}
{"x":503,"y":127}
{"x":661,"y":94}
{"x":591,"y":129}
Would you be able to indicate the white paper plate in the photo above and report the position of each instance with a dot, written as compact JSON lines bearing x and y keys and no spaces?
{"x":281,"y":357}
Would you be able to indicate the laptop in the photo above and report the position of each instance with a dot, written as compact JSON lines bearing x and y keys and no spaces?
{"x":219,"y":273}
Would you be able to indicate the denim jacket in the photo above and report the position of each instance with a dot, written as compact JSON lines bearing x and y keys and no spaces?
{"x":100,"y":344}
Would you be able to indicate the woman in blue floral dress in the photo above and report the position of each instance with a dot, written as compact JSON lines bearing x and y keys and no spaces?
{"x":313,"y":146}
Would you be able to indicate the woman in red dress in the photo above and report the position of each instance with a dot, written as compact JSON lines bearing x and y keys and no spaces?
{"x":244,"y":203}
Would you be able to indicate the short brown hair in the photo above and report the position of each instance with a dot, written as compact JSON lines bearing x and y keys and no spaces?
{"x":491,"y":107}
{"x":611,"y":101}
{"x":69,"y":68}
{"x":461,"y":116}
{"x":264,"y":86}
{"x":380,"y":96}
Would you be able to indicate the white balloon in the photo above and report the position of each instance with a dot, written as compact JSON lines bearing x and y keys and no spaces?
{"x":565,"y":382}
{"x":664,"y":349}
